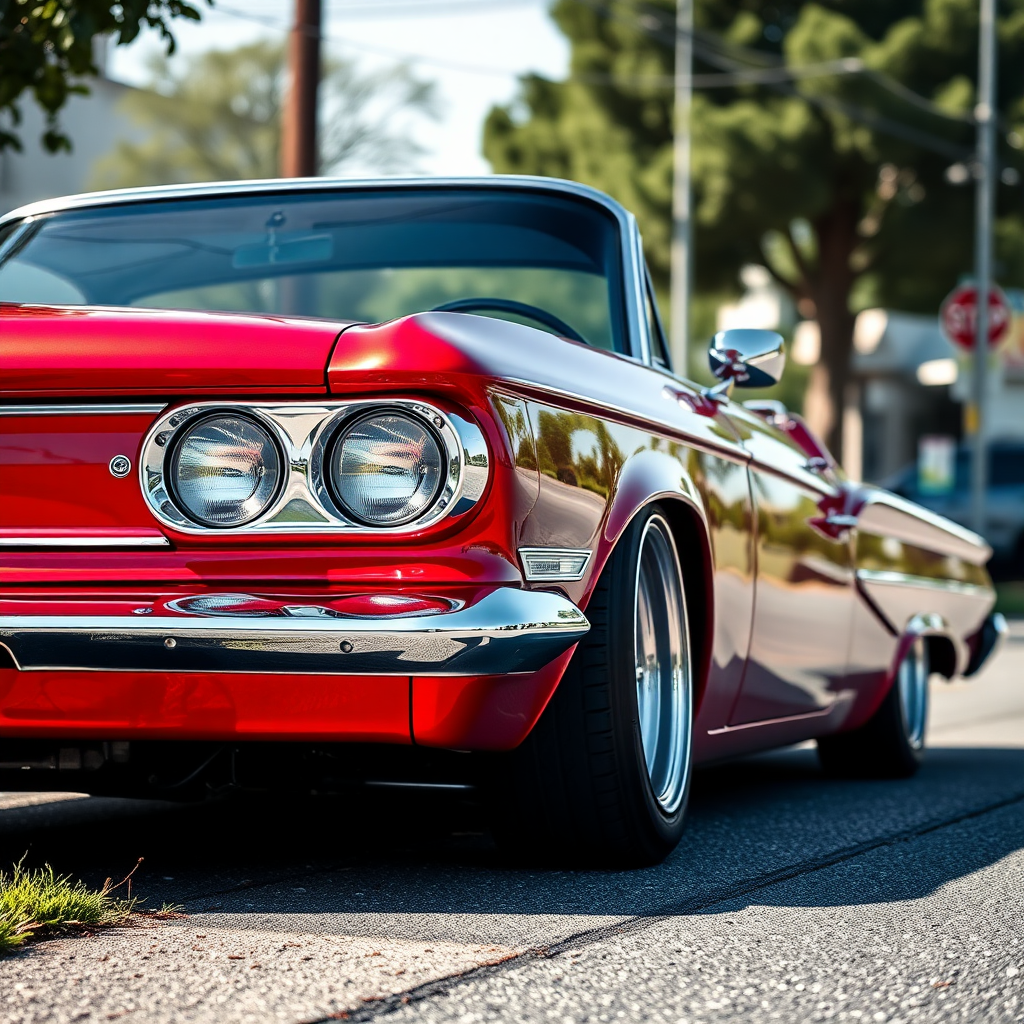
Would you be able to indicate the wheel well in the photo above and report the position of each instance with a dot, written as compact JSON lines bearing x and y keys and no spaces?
{"x":690,"y":536}
{"x":941,"y":655}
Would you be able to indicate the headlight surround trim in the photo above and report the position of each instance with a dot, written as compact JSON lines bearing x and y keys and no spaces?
{"x":302,"y":429}
{"x":333,"y":447}
{"x":172,"y":465}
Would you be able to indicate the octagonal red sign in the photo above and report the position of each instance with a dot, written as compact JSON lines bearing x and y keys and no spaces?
{"x":958,"y":315}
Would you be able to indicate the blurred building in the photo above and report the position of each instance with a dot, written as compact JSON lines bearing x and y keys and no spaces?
{"x":909,"y":381}
{"x":905,"y":371}
{"x":93,"y":123}
{"x":763,"y":304}
{"x":913,"y":383}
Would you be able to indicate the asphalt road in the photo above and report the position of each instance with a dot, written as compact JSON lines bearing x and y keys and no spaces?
{"x":792,"y":898}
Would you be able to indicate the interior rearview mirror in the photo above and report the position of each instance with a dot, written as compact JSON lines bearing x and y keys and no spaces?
{"x":747,"y":357}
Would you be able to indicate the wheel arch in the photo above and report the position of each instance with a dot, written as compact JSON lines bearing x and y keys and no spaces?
{"x":652,"y":477}
{"x":690,"y":534}
{"x":942,"y":656}
{"x":945,"y":650}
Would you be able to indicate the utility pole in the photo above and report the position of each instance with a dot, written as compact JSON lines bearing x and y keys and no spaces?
{"x":985,"y":168}
{"x":298,"y":135}
{"x":682,"y":230}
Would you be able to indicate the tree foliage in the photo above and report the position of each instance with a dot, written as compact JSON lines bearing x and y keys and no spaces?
{"x":828,"y":148}
{"x":218,"y":117}
{"x":46,"y":51}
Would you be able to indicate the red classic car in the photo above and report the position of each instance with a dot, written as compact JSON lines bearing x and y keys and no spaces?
{"x":321,"y":483}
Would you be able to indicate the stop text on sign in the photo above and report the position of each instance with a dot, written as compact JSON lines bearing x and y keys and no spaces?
{"x":959,"y":315}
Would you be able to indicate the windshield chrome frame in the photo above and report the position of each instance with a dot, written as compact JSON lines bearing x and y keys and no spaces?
{"x":637,"y":340}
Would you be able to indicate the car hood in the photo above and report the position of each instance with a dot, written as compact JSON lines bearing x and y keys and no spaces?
{"x":82,"y":351}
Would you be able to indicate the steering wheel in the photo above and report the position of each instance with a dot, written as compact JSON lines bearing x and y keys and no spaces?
{"x":542,"y":316}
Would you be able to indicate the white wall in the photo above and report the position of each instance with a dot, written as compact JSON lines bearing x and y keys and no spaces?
{"x":94,"y":124}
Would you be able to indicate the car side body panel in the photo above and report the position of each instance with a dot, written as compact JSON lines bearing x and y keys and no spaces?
{"x":571,"y":466}
{"x":918,"y":575}
{"x":805,"y":593}
{"x":594,"y":454}
{"x":802,"y":589}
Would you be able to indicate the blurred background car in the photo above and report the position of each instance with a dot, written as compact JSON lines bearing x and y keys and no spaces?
{"x":1004,"y":499}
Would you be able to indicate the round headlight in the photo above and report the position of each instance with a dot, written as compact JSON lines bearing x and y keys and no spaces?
{"x":386,"y":469}
{"x":225,"y":470}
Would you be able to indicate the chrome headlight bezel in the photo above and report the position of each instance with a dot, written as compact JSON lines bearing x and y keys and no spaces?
{"x":172,"y":467}
{"x":304,"y":502}
{"x":447,"y":477}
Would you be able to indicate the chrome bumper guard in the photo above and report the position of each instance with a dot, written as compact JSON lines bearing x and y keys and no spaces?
{"x":988,"y":642}
{"x":506,"y":631}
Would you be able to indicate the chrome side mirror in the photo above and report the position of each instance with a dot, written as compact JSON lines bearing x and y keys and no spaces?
{"x":746,"y":357}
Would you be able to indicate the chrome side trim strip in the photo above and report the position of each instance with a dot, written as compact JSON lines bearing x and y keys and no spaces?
{"x":30,"y":541}
{"x":900,"y":579}
{"x":919,"y":526}
{"x":508,"y":630}
{"x":733,"y":452}
{"x":83,"y":409}
{"x":463,"y":787}
{"x":843,"y":699}
{"x":808,"y":716}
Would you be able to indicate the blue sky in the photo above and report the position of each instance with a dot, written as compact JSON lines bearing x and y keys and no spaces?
{"x":473,"y":49}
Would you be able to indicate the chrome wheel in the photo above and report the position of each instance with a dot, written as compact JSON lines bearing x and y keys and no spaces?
{"x":663,"y":685}
{"x":912,"y":683}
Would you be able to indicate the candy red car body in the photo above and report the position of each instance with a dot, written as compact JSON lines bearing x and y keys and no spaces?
{"x":204,"y":546}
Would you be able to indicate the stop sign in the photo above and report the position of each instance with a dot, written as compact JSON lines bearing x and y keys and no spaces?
{"x":959,"y":315}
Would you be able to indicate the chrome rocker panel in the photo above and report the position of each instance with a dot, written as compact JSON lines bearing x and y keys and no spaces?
{"x":507,"y":631}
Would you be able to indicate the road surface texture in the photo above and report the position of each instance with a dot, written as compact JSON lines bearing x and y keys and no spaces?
{"x":792,"y":897}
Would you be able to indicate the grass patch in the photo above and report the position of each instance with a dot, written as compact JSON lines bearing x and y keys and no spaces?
{"x":39,"y":901}
{"x":1010,"y":598}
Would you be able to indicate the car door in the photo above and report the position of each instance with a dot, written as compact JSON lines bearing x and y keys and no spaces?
{"x":725,"y":488}
{"x":804,"y":579}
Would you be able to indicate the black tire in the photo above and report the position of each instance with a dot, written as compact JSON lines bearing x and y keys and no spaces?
{"x":890,"y":745}
{"x":578,"y":790}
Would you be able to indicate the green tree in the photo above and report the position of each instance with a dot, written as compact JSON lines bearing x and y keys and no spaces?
{"x":831,"y":143}
{"x":46,"y":50}
{"x":219,"y":117}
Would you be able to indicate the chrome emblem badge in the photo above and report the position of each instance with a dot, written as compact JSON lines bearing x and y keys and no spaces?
{"x":120,"y":465}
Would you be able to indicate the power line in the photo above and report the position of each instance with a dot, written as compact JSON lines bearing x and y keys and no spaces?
{"x":391,"y":8}
{"x":729,"y":49}
{"x":412,"y":58}
{"x":712,"y":49}
{"x":747,"y":76}
{"x":730,"y":79}
{"x":710,"y":55}
{"x":424,"y":8}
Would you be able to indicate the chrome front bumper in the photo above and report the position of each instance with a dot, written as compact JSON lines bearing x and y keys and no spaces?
{"x":508,"y":630}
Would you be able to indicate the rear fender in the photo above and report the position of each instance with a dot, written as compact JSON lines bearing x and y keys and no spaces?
{"x":946,"y":653}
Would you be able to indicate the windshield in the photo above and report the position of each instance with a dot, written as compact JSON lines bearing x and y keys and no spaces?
{"x":359,"y":255}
